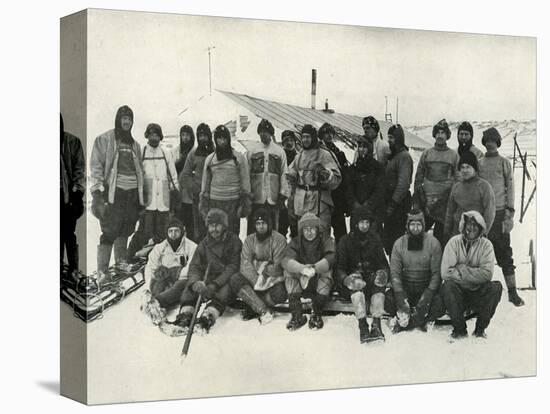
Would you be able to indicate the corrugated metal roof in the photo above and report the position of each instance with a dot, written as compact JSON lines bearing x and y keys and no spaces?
{"x":285,"y":116}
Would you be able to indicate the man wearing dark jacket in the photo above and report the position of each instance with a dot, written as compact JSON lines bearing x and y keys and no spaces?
{"x":72,"y":187}
{"x":220,"y":251}
{"x":184,"y":212}
{"x":362,"y":273}
{"x":288,"y":140}
{"x":398,"y":181}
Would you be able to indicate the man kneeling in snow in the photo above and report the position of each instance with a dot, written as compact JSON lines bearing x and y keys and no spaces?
{"x":308,"y":262}
{"x":362,"y":271}
{"x":415,"y":267}
{"x":260,"y":283}
{"x":221,"y":250}
{"x":467,"y":269}
{"x":166,"y":270}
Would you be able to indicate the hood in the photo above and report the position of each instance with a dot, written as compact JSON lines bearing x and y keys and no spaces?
{"x":358,"y":214}
{"x":477,"y":217}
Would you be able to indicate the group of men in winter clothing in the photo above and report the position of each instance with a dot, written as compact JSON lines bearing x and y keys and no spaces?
{"x":189,"y":203}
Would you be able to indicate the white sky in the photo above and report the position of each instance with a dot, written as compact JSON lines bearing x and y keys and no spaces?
{"x":158,"y":65}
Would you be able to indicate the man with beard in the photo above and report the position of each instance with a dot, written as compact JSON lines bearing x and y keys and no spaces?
{"x":288,"y":140}
{"x":166,"y":271}
{"x":435,"y":176}
{"x":221,"y":250}
{"x":497,"y":170}
{"x":190,"y":178}
{"x":72,"y":187}
{"x":415,"y":267}
{"x":308,"y":261}
{"x":366,"y":184}
{"x":268,"y":169}
{"x":226,"y":181}
{"x":381,"y":149}
{"x":184,"y":212}
{"x":399,"y":172}
{"x":312,"y":176}
{"x":362,"y":272}
{"x":467,"y":269}
{"x":260,"y":283}
{"x":470,"y":193}
{"x":465,"y":136}
{"x":116,"y":176}
{"x":338,"y":220}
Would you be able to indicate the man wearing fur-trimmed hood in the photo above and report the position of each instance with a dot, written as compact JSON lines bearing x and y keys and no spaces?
{"x":467,"y":268}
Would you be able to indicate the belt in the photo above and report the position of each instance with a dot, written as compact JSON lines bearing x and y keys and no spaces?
{"x":309,"y":187}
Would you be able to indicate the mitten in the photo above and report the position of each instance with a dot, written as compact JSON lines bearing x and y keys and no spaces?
{"x":199,"y":287}
{"x":98,"y":205}
{"x":508,"y":222}
{"x":354,"y":282}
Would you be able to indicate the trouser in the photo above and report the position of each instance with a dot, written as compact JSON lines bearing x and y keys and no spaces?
{"x":483,"y":301}
{"x":223,"y":296}
{"x":370,"y":297}
{"x":184,"y":213}
{"x":420,"y":312}
{"x":438,"y":231}
{"x":273,"y":212}
{"x":284,"y":223}
{"x":394,"y":225}
{"x":231,"y":208}
{"x":68,"y":236}
{"x":338,"y":221}
{"x":318,"y":289}
{"x":259,"y":301}
{"x":152,"y":224}
{"x":168,"y":292}
{"x":503,"y":250}
{"x":199,"y":227}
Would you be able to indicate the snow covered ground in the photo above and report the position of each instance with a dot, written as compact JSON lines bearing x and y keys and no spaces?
{"x":129,"y":359}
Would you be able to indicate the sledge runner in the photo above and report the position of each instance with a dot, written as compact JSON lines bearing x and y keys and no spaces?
{"x":497,"y":170}
{"x":260,"y":282}
{"x":308,"y":264}
{"x":184,"y":211}
{"x":362,"y":273}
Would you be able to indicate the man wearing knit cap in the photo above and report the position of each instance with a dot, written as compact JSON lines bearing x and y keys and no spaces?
{"x":467,"y":268}
{"x":435,"y":176}
{"x":471,"y":193}
{"x":415,"y":267}
{"x":362,"y":273}
{"x":268,"y":169}
{"x":308,"y":261}
{"x":312,"y":176}
{"x":116,"y":176}
{"x":465,"y":137}
{"x":221,"y":251}
{"x":226,"y":181}
{"x":190,"y":178}
{"x":497,"y":170}
{"x":288,"y":140}
{"x":381,"y":149}
{"x":166,"y":271}
{"x":260,"y":282}
{"x":399,"y":172}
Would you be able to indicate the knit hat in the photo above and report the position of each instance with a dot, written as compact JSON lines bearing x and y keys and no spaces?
{"x":360,"y":213}
{"x":326,"y":128}
{"x":468,"y":158}
{"x":266,"y":126}
{"x":309,"y":219}
{"x":175,"y":223}
{"x":416,"y":215}
{"x":491,"y":134}
{"x":288,"y":134}
{"x":152,"y":128}
{"x":221,"y":131}
{"x":466,"y":126}
{"x":204,"y":129}
{"x":217,"y":216}
{"x":372,"y":122}
{"x":442,"y":126}
{"x":396,"y":131}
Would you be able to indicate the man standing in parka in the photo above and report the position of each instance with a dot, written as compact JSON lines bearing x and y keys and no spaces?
{"x":190,"y":177}
{"x":338,"y":220}
{"x":497,"y":170}
{"x":288,"y":141}
{"x":312,"y":176}
{"x":415,"y":267}
{"x":308,"y":262}
{"x":184,"y":212}
{"x":268,"y":169}
{"x":362,"y":272}
{"x":381,"y":149}
{"x":435,"y":176}
{"x":72,"y":188}
{"x":467,"y":269}
{"x":260,"y":283}
{"x":226,"y":181}
{"x":399,"y":172}
{"x":221,"y":250}
{"x":116,"y":175}
{"x":465,"y":137}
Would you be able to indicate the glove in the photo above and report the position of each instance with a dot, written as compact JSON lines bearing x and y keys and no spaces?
{"x":354,"y":282}
{"x":199,"y":287}
{"x":308,"y":271}
{"x":381,"y":278}
{"x":508,"y":222}
{"x":98,"y":205}
{"x":210,"y":291}
{"x":424,"y":302}
{"x":324,"y":176}
{"x":401,"y":302}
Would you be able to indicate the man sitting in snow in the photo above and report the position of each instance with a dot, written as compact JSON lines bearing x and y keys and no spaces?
{"x":308,"y":262}
{"x":362,"y":270}
{"x":415,"y":267}
{"x":221,"y":250}
{"x":260,"y":283}
{"x":467,"y":269}
{"x":166,"y":270}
